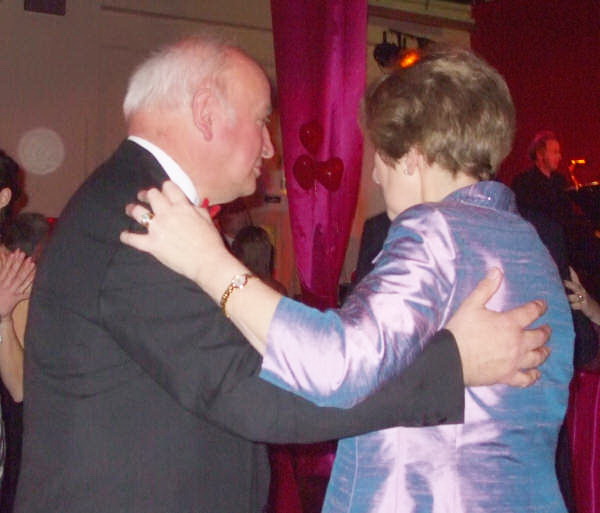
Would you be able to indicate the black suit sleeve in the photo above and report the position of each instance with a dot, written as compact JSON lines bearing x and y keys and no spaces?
{"x":429,"y":392}
{"x":181,"y":339}
{"x":373,"y":236}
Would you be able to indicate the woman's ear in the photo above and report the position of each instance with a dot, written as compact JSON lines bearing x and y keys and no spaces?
{"x":415,"y":161}
{"x":5,"y":197}
{"x":202,"y":105}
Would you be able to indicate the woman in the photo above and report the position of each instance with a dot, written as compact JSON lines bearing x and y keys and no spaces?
{"x":440,"y":129}
{"x":16,"y":277}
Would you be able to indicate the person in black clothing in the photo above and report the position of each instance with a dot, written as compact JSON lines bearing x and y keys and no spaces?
{"x":543,"y":189}
{"x":373,"y":236}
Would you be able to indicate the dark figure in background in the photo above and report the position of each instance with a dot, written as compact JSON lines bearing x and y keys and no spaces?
{"x":543,"y":189}
{"x":16,"y":275}
{"x":28,"y":232}
{"x":252,"y":245}
{"x":375,"y":231}
{"x":231,"y":218}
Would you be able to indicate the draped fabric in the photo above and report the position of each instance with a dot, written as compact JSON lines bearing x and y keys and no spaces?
{"x":320,"y":49}
{"x":583,"y":420}
{"x":548,"y":52}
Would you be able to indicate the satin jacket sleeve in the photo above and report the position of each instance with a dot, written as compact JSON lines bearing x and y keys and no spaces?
{"x":338,"y":357}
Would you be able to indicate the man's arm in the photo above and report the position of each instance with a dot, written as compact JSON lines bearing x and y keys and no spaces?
{"x":181,"y":339}
{"x":429,"y":392}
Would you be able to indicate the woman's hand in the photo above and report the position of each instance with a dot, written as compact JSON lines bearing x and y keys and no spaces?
{"x":182,"y":237}
{"x":580,"y":299}
{"x":16,"y":277}
{"x":185,"y":239}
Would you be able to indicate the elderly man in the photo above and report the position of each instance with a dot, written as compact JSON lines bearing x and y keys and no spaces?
{"x":141,"y":395}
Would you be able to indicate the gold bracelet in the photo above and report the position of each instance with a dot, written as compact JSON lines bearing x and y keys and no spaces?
{"x":239,"y":281}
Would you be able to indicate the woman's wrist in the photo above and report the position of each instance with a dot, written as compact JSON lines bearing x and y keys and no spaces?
{"x":215,"y":279}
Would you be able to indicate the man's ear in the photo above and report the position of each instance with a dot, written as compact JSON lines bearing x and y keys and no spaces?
{"x":202,"y":112}
{"x":5,"y":197}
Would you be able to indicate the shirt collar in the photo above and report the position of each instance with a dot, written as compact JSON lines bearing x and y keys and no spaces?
{"x":173,"y":170}
{"x":486,"y":193}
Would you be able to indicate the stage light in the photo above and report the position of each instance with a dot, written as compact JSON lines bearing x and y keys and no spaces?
{"x":390,"y":56}
{"x":409,"y":57}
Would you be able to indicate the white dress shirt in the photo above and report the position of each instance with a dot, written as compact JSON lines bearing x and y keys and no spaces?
{"x":173,"y":170}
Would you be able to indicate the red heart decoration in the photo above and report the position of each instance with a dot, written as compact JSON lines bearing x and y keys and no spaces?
{"x":311,"y":136}
{"x":329,"y":173}
{"x":304,"y":171}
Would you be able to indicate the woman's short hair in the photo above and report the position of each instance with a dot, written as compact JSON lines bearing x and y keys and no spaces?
{"x":451,"y":106}
{"x":170,"y":77}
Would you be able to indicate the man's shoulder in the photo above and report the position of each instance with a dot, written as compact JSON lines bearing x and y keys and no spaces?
{"x":376,"y":227}
{"x":117,"y":180}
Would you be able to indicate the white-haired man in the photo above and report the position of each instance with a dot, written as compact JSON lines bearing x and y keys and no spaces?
{"x":141,"y":395}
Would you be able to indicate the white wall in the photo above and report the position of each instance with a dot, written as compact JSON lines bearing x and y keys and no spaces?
{"x":69,"y":73}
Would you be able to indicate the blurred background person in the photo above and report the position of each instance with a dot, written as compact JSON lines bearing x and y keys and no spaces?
{"x":27,"y":232}
{"x":16,"y":277}
{"x":543,"y":188}
{"x":252,"y":245}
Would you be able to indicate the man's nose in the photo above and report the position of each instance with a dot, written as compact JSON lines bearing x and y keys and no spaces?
{"x":267,"y":149}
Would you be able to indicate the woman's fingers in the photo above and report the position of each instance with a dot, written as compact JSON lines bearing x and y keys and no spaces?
{"x":574,"y":276}
{"x":135,"y":240}
{"x":173,"y":192}
{"x":140,"y":214}
{"x":25,"y":276}
{"x":11,"y":275}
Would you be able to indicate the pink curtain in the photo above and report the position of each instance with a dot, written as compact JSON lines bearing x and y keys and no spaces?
{"x":320,"y":51}
{"x":583,"y":418}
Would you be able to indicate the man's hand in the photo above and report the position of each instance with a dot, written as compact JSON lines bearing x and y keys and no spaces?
{"x":496,"y":347}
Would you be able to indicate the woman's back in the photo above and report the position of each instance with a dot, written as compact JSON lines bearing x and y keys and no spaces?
{"x":501,"y":459}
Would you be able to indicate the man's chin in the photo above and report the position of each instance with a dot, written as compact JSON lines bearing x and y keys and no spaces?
{"x":250,"y":190}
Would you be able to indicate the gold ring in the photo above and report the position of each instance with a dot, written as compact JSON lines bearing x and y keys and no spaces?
{"x":580,"y":298}
{"x":146,"y":218}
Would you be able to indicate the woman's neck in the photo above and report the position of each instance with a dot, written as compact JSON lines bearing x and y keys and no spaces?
{"x":439,"y":183}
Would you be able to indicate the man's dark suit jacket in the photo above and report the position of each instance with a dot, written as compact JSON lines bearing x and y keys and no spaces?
{"x":142,"y":397}
{"x":373,"y":236}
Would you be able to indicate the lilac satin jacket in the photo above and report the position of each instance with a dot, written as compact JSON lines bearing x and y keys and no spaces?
{"x":501,"y":460}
